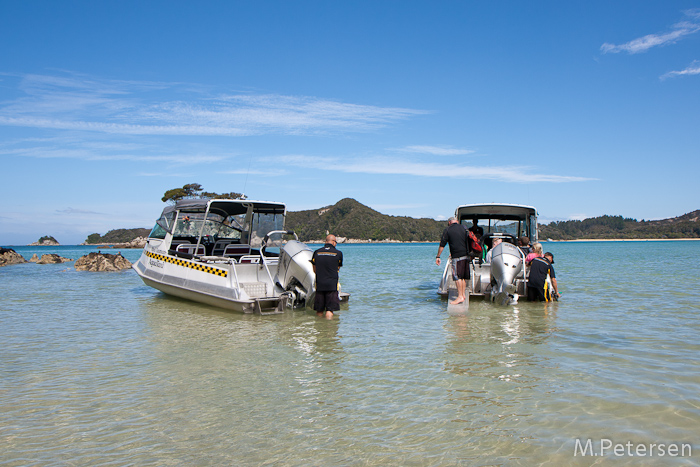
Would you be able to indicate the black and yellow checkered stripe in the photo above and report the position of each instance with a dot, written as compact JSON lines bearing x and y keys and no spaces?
{"x":188,"y":264}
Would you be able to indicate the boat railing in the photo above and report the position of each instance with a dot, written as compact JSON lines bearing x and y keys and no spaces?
{"x":235,"y":285}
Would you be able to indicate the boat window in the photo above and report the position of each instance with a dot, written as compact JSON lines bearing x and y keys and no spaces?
{"x":190,"y":225}
{"x":533,"y":229}
{"x":237,"y":221}
{"x":163,"y":225}
{"x":157,"y":232}
{"x":495,"y":225}
{"x":262,"y":224}
{"x":276,"y":242}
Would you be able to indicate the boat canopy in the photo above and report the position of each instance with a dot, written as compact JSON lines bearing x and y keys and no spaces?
{"x":513,"y":219}
{"x":226,"y":207}
{"x":483,"y":211}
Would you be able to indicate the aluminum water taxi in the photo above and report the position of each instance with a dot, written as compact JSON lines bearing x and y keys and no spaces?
{"x":503,"y":278}
{"x":233,"y":254}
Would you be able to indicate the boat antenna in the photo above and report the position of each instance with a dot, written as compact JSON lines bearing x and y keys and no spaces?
{"x":245,"y":184}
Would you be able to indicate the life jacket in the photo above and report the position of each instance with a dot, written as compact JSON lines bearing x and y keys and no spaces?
{"x":474,"y":244}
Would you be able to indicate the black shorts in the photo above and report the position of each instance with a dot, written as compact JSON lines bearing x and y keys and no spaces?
{"x":460,"y":268}
{"x":327,"y":301}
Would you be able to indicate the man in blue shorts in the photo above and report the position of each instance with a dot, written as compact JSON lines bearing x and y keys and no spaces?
{"x":457,"y":236}
{"x":327,"y":262}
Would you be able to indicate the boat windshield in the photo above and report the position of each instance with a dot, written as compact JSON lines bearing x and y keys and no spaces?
{"x":219,"y":227}
{"x":494,"y":224}
{"x":262,"y":224}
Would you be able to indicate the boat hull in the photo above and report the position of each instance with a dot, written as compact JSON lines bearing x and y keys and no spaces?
{"x":247,"y":306}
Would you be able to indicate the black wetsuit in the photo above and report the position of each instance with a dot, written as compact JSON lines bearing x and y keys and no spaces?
{"x":327,"y":261}
{"x":540,"y":268}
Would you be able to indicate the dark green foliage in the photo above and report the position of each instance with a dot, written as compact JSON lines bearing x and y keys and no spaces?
{"x":348,"y":218}
{"x":617,"y":227}
{"x":47,"y":238}
{"x":93,"y":238}
{"x":117,"y":236}
{"x":194,"y":190}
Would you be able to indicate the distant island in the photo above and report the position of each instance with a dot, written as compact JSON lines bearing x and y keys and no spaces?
{"x":46,"y":240}
{"x":355,"y":222}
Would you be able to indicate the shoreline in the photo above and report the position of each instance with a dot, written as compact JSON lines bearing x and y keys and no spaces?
{"x":386,"y":242}
{"x":623,"y":240}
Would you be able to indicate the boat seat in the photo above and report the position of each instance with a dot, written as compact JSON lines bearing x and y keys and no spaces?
{"x":236,"y":249}
{"x":220,"y":247}
{"x":175,"y":243}
{"x":254,"y":259}
{"x":190,"y":249}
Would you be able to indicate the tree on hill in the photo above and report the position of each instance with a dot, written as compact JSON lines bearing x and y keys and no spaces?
{"x":117,"y":236}
{"x":617,"y":227}
{"x":195,"y":190}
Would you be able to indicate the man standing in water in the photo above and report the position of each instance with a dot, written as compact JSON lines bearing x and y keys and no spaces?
{"x":456,"y":235}
{"x":327,"y":262}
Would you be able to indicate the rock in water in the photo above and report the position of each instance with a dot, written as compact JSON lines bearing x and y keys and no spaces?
{"x":102,"y":262}
{"x":51,"y":258}
{"x":9,"y":256}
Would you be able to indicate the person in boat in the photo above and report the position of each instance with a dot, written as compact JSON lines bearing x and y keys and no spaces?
{"x":537,"y":286}
{"x":327,"y":262}
{"x":489,"y":254}
{"x":457,"y":237}
{"x":524,"y":245}
{"x":535,"y":253}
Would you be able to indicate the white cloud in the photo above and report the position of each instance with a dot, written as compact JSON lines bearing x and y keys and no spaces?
{"x":87,"y":154}
{"x":693,"y":69}
{"x":642,"y":44}
{"x":137,"y":108}
{"x":436,"y":150}
{"x":390,"y":166}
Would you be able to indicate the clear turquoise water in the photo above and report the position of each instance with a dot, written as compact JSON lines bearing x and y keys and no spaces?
{"x":98,"y":369}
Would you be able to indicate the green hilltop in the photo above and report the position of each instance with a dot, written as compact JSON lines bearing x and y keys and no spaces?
{"x":617,"y":227}
{"x":351,"y":219}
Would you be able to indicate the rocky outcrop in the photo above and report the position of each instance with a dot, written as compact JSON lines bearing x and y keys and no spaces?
{"x":138,"y":242}
{"x":9,"y":256}
{"x":50,"y":258}
{"x":96,"y":262}
{"x":45,"y":241}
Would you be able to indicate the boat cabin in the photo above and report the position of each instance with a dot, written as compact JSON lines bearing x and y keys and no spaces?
{"x":219,"y":228}
{"x":506,"y":221}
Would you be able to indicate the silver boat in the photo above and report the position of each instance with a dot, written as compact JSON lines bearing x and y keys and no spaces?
{"x":233,"y":254}
{"x":502,"y":278}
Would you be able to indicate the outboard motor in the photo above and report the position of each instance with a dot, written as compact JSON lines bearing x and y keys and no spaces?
{"x":506,"y":266}
{"x":295,"y":272}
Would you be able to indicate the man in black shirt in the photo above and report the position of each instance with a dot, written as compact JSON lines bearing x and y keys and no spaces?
{"x":326,"y":262}
{"x":456,"y":235}
{"x":537,"y":287}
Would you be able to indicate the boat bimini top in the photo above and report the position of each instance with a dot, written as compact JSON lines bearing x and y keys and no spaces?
{"x":511,"y":219}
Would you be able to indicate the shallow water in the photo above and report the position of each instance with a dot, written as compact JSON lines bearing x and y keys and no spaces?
{"x":98,"y":369}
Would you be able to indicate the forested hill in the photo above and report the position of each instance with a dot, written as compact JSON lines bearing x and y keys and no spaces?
{"x":348,"y":218}
{"x":617,"y":227}
{"x":353,"y":220}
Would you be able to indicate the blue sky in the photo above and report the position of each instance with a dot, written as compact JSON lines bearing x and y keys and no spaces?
{"x":412,"y":108}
